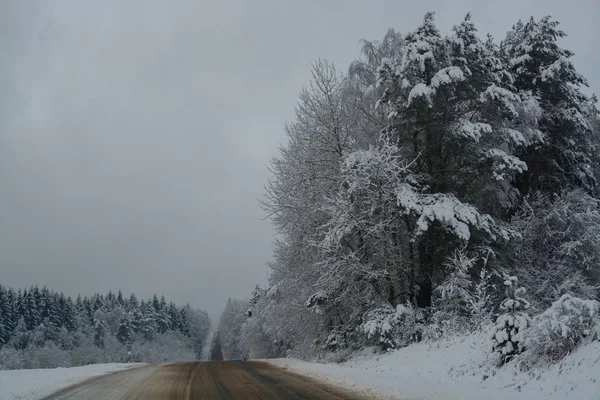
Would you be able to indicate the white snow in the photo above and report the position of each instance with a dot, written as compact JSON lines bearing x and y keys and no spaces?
{"x":460,"y":369}
{"x":504,"y":162}
{"x":503,"y":96}
{"x":553,"y":71}
{"x":472,"y":130}
{"x":33,"y":384}
{"x":420,"y":51}
{"x":420,"y":90}
{"x":516,"y":136}
{"x":447,"y":76}
{"x":449,"y":211}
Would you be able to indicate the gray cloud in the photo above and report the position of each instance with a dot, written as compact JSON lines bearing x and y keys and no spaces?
{"x":134,"y":135}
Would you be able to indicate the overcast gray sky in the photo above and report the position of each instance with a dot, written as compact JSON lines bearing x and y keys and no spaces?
{"x":134,"y":135}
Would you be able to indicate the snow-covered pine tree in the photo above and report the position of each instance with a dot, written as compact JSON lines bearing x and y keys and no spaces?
{"x":11,"y":316}
{"x":147,"y":325}
{"x":3,"y":316}
{"x":120,"y":299}
{"x":97,"y":303}
{"x":562,"y":154}
{"x":110,"y":301}
{"x":155,"y":303}
{"x":174,"y":317}
{"x":68,"y":313}
{"x":452,"y":109}
{"x":125,"y":331}
{"x":133,"y":302}
{"x":163,"y":322}
{"x":3,"y":334}
{"x":508,"y":338}
{"x":31,"y":314}
{"x":100,"y":329}
{"x":184,"y":326}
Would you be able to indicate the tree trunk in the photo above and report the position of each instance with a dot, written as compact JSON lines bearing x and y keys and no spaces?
{"x":426,"y":263}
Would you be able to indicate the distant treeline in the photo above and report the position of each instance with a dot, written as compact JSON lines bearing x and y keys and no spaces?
{"x":43,"y":328}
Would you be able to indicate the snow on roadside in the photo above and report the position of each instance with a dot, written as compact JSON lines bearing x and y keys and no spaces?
{"x":31,"y":384}
{"x":459,"y":369}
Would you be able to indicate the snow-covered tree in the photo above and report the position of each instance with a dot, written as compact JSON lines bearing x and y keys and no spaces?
{"x":364,"y":236}
{"x":216,"y":354}
{"x":452,"y":109}
{"x":163,"y":322}
{"x":30,"y":310}
{"x":562,"y":154}
{"x":305,"y":174}
{"x":20,"y":337}
{"x":100,"y":328}
{"x":125,"y":330}
{"x":198,"y":325}
{"x":464,"y":298}
{"x":4,"y":316}
{"x":509,"y":334}
{"x":230,"y":326}
{"x":426,"y":149}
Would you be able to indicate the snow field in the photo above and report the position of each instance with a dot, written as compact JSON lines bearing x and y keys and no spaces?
{"x":34,"y":384}
{"x":459,"y":369}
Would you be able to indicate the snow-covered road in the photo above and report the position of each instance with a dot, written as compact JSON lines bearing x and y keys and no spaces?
{"x":212,"y":380}
{"x":450,"y":369}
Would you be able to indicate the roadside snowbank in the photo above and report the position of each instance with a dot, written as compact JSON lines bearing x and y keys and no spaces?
{"x":30,"y":384}
{"x":460,"y":369}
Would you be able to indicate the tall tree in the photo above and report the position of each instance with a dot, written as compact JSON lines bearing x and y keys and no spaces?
{"x":562,"y":155}
{"x":4,"y":316}
{"x":215,"y":348}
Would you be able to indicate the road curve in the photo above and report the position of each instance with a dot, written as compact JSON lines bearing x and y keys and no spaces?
{"x":203,"y":380}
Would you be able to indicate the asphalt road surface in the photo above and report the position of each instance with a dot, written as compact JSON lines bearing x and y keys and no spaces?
{"x":213,"y":380}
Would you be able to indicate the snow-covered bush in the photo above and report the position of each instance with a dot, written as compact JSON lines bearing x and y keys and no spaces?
{"x":391,"y":328}
{"x":11,"y":358}
{"x":47,"y":356}
{"x":509,"y":334}
{"x":164,"y":348}
{"x":559,"y":330}
{"x":335,"y":341}
{"x":378,"y":326}
{"x":462,"y":301}
{"x":87,"y":353}
{"x":560,"y":248}
{"x":443,"y":324}
{"x":342,"y":354}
